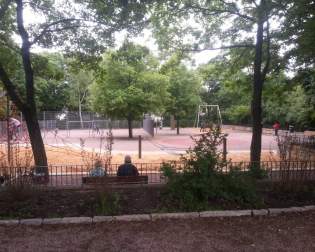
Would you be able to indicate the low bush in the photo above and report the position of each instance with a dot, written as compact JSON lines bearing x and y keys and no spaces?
{"x":107,"y":202}
{"x":202,"y":182}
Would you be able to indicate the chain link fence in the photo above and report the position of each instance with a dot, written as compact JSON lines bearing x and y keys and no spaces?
{"x":70,"y":120}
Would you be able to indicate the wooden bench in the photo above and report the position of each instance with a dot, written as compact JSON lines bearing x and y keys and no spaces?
{"x":115,"y":180}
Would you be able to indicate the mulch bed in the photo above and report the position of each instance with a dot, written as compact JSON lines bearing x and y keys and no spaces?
{"x":287,"y":232}
{"x":30,"y":203}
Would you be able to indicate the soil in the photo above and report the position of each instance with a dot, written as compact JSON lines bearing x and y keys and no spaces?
{"x":287,"y":232}
{"x":33,"y":203}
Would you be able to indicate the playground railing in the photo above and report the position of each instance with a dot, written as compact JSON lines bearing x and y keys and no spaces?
{"x":71,"y":175}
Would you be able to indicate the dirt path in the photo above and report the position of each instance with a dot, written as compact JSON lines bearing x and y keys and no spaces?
{"x":291,"y":232}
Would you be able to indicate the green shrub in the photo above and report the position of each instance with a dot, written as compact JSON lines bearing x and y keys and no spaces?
{"x":202,"y":181}
{"x":107,"y":202}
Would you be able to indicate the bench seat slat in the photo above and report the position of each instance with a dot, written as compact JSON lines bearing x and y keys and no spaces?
{"x":115,"y":180}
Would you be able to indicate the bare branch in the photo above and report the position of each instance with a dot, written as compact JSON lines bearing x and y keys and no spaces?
{"x":83,"y":95}
{"x":221,"y":48}
{"x":215,"y":11}
{"x":254,"y":2}
{"x":46,"y":28}
{"x":266,"y":68}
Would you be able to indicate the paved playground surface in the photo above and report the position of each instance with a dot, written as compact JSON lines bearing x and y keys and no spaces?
{"x":165,"y":141}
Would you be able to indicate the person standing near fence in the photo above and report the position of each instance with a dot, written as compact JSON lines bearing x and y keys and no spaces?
{"x":14,"y":128}
{"x":276,"y":127}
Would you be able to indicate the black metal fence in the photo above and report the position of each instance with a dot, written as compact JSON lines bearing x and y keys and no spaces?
{"x":71,"y":175}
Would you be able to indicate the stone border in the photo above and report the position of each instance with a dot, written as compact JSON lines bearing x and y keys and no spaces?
{"x":155,"y":216}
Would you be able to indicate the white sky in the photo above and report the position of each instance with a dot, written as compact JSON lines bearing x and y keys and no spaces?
{"x":146,"y":39}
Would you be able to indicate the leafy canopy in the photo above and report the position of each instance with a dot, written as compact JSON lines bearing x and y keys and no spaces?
{"x":128,"y":84}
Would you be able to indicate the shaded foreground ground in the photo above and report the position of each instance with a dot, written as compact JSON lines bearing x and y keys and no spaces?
{"x":290,"y":232}
{"x":27,"y":203}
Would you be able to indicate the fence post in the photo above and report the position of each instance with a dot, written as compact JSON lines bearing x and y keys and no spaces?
{"x":44,"y":122}
{"x":9,"y":134}
{"x":140,"y":147}
{"x":224,"y":149}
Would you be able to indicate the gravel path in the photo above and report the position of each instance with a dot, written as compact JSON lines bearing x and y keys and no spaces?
{"x":289,"y":232}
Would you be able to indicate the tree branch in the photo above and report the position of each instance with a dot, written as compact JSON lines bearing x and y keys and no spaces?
{"x":83,"y":95}
{"x":10,"y":88}
{"x":220,"y":48}
{"x":46,"y":28}
{"x":266,"y":68}
{"x":26,"y":57}
{"x":215,"y":11}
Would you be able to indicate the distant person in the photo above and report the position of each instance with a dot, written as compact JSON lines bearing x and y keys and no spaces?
{"x":95,"y":128}
{"x":127,"y":169}
{"x":161,"y":123}
{"x":291,"y":128}
{"x":14,"y":128}
{"x":276,"y":127}
{"x":98,"y":170}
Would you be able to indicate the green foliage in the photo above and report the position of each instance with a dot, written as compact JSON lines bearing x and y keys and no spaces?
{"x":299,"y":30}
{"x":184,"y":88}
{"x":79,"y":82}
{"x":52,"y":91}
{"x":202,"y":182}
{"x":228,"y":86}
{"x":238,"y":114}
{"x":107,"y":203}
{"x":128,"y":84}
{"x":284,"y":99}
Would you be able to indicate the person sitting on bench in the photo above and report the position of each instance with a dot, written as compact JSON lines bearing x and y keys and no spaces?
{"x":98,"y":170}
{"x":127,"y":169}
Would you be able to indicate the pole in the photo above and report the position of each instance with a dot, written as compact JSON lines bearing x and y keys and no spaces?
{"x":44,"y":122}
{"x":8,"y":131}
{"x":140,"y":147}
{"x":224,"y":149}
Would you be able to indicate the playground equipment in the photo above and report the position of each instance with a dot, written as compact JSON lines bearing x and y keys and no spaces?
{"x":207,"y":115}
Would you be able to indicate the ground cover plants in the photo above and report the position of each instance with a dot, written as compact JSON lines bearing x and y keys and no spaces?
{"x":27,"y":202}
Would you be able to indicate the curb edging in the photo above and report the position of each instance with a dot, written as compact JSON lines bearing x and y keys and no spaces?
{"x":155,"y":216}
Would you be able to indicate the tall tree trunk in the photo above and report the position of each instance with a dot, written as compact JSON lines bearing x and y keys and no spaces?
{"x":80,"y":113}
{"x":256,"y":110}
{"x":130,"y":127}
{"x":36,"y":140}
{"x":29,"y":109}
{"x":177,"y":126}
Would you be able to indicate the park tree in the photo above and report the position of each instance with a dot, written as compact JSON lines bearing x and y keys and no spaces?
{"x":225,"y":25}
{"x":299,"y":36}
{"x":79,"y":81}
{"x":225,"y":83}
{"x":52,"y":91}
{"x":299,"y":33}
{"x":184,"y":89}
{"x":67,"y":25}
{"x":128,"y":84}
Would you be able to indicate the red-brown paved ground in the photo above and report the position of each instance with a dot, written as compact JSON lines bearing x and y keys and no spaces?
{"x":291,"y":232}
{"x":165,"y":145}
{"x":165,"y":141}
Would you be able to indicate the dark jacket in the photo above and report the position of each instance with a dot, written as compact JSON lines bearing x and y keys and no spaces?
{"x":127,"y":170}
